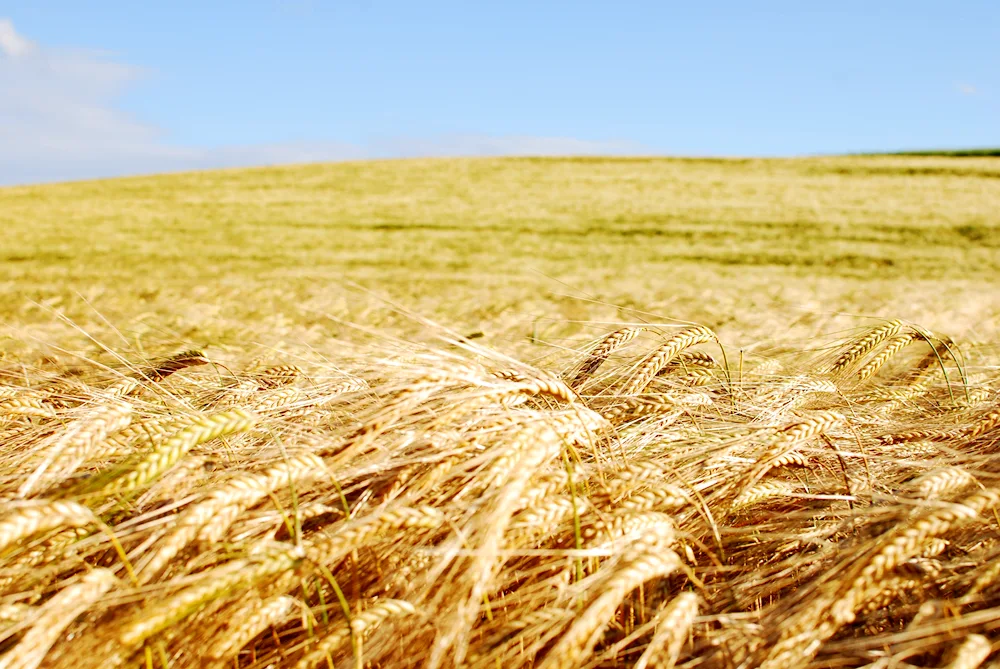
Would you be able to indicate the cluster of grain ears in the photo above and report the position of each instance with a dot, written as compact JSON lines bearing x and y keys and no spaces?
{"x":651,"y":500}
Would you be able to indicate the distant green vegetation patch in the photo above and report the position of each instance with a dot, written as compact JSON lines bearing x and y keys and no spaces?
{"x":954,"y":153}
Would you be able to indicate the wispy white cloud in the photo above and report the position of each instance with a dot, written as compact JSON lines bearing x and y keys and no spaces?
{"x":60,"y":119}
{"x":967,"y":89}
{"x":12,"y":44}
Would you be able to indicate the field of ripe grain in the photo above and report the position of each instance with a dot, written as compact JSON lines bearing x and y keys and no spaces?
{"x":493,"y":243}
{"x":549,"y":413}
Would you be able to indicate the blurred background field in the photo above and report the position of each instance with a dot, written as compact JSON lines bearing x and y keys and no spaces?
{"x":515,"y":248}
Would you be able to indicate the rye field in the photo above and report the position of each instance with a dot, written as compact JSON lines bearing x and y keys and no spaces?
{"x":489,"y":413}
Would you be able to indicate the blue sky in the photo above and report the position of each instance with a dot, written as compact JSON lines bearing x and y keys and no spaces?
{"x":108,"y":88}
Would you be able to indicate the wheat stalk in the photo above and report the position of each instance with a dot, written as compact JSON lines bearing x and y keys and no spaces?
{"x":761,"y":492}
{"x":666,"y":352}
{"x":55,"y":616}
{"x":602,"y":351}
{"x":695,"y":359}
{"x":780,"y":448}
{"x":360,"y":624}
{"x":942,"y":482}
{"x":905,"y":542}
{"x":662,"y":497}
{"x":210,"y":518}
{"x":279,"y":375}
{"x":42,"y":517}
{"x":166,"y":454}
{"x":276,"y":400}
{"x":892,"y":347}
{"x":77,"y":442}
{"x":864,"y":344}
{"x":672,"y":629}
{"x":212,"y":584}
{"x":541,"y":518}
{"x":578,"y":642}
{"x":175,"y":363}
{"x":502,"y":505}
{"x":25,"y":406}
{"x":249,"y":621}
{"x":629,"y":529}
{"x":971,"y":653}
{"x":330,"y":547}
{"x":984,"y":425}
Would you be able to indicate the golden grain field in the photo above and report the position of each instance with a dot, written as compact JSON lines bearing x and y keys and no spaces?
{"x":504,"y":413}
